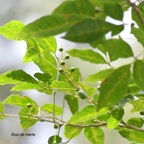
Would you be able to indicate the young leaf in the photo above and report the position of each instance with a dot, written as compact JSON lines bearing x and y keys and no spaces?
{"x":12,"y":29}
{"x":87,"y":55}
{"x":132,"y":135}
{"x":114,"y":10}
{"x":48,"y":43}
{"x":86,"y":114}
{"x":112,"y":122}
{"x":20,"y":101}
{"x":90,"y":91}
{"x":51,"y":108}
{"x":26,"y":119}
{"x":100,"y":76}
{"x":71,"y":131}
{"x":72,"y":102}
{"x":138,"y":73}
{"x":22,"y":76}
{"x":117,"y":48}
{"x":55,"y":139}
{"x":114,"y":87}
{"x":94,"y":135}
{"x":87,"y":31}
{"x":61,"y":86}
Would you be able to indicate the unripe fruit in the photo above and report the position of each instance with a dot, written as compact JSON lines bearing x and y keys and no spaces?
{"x":56,"y":126}
{"x":29,"y":105}
{"x":67,"y":57}
{"x":72,"y":69}
{"x":61,"y":70}
{"x":62,"y":63}
{"x":60,"y":49}
{"x":142,"y":113}
{"x":82,"y":94}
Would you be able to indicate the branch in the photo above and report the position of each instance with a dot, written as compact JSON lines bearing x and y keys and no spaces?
{"x":125,"y":125}
{"x":137,"y":12}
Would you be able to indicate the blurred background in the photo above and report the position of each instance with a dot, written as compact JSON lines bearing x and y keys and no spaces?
{"x":11,"y":54}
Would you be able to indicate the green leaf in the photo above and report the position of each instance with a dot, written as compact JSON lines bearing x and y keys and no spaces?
{"x":22,"y":76}
{"x":11,"y":29}
{"x":138,"y":33}
{"x":4,"y":79}
{"x":71,"y":131}
{"x":72,"y":103}
{"x":43,"y":58}
{"x":61,"y":86}
{"x":55,"y":139}
{"x":20,"y":101}
{"x":30,"y":86}
{"x":100,"y":76}
{"x":94,"y":135}
{"x":132,"y":135}
{"x":31,"y":52}
{"x":1,"y":107}
{"x":112,"y":122}
{"x":51,"y":108}
{"x":138,"y":105}
{"x":44,"y":77}
{"x":117,"y":48}
{"x":114,"y":87}
{"x":87,"y":55}
{"x":60,"y":21}
{"x":78,"y":7}
{"x":87,"y":31}
{"x":86,"y":114}
{"x":26,"y":119}
{"x":89,"y":90}
{"x":48,"y":43}
{"x":114,"y":10}
{"x":135,"y":121}
{"x":138,"y":73}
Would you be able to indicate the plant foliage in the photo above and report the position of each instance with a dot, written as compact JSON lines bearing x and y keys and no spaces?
{"x":106,"y":92}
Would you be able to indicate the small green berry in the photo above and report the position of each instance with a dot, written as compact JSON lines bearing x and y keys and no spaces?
{"x":56,"y":126}
{"x":72,"y":69}
{"x":142,"y":113}
{"x":62,"y":63}
{"x":61,"y":70}
{"x":60,"y":49}
{"x":82,"y":94}
{"x":67,"y":57}
{"x":29,"y":105}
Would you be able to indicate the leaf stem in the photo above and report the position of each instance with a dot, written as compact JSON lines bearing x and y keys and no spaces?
{"x":137,"y":12}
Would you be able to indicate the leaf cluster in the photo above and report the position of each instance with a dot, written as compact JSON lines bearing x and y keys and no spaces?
{"x":106,"y":92}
